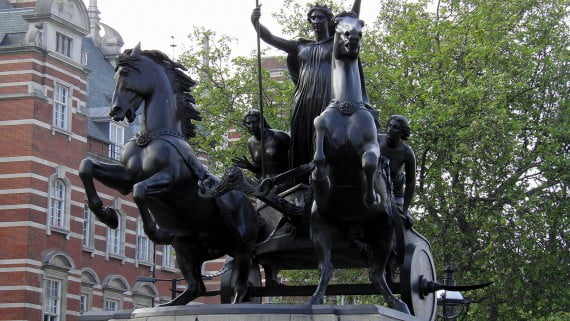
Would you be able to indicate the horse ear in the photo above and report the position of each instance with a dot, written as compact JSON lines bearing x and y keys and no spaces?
{"x":136,"y":50}
{"x":356,"y":7}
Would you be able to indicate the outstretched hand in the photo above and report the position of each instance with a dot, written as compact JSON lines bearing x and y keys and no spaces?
{"x":242,"y":162}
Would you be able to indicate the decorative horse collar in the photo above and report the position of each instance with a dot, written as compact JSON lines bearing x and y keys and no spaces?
{"x":144,"y":138}
{"x":347,"y":107}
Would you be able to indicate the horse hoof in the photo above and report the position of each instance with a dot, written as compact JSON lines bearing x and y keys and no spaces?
{"x":401,"y":306}
{"x":109,"y":217}
{"x":315,"y":300}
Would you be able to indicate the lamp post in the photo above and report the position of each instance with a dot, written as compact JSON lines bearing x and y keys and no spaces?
{"x":451,"y":305}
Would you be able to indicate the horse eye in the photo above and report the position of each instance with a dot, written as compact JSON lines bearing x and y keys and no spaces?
{"x":346,"y":33}
{"x":124,"y":72}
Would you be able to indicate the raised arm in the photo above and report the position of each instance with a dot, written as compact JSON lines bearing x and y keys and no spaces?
{"x":289,"y":46}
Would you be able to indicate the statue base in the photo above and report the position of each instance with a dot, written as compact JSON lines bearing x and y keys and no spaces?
{"x":254,"y":312}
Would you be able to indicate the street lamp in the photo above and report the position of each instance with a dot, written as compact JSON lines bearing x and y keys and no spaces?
{"x":451,"y":305}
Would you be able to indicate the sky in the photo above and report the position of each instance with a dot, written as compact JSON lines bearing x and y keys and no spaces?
{"x":153,"y":23}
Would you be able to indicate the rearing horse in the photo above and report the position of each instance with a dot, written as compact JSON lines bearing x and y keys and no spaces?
{"x":350,"y":195}
{"x":160,"y":169}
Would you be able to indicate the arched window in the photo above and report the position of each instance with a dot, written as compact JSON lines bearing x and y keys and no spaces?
{"x":89,"y":280}
{"x":59,"y":192}
{"x":57,"y":204}
{"x":114,"y":288}
{"x":56,"y":266}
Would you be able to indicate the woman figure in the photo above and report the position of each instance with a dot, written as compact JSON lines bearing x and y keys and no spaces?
{"x":309,"y":64}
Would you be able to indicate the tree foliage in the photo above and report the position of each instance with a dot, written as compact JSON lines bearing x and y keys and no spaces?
{"x":485,"y":85}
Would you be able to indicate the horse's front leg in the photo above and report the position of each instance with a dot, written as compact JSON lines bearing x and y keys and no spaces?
{"x":369,"y":159}
{"x":189,"y":261}
{"x":158,"y":183}
{"x":321,"y":183}
{"x":112,"y":175}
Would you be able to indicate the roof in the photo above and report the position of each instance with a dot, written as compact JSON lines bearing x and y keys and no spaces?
{"x":12,"y":26}
{"x":100,"y":78}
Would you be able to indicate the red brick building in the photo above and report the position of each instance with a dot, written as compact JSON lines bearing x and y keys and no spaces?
{"x":56,"y":259}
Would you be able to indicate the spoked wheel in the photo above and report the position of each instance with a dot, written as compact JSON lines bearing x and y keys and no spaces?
{"x":418,"y":268}
{"x":227,"y":281}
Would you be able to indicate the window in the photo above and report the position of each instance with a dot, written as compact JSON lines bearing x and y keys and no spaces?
{"x":84,"y":57}
{"x":57,"y":204}
{"x":60,"y":108}
{"x":143,"y":244}
{"x":117,"y":138}
{"x":63,"y":44}
{"x":110,"y":305}
{"x":168,"y":257}
{"x":87,"y":227}
{"x":114,"y":239}
{"x":83,"y":301}
{"x":52,"y":300}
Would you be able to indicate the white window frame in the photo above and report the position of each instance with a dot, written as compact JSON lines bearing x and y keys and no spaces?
{"x":63,"y":44}
{"x":115,"y":246}
{"x":144,"y":245}
{"x":84,"y":57}
{"x":61,"y":106}
{"x":168,"y":258}
{"x":52,"y":301}
{"x":88,"y":228}
{"x":83,"y":303}
{"x":114,"y":243}
{"x":117,"y":139}
{"x":58,"y":204}
{"x":111,"y":304}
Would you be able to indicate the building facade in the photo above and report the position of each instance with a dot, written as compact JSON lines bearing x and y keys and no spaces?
{"x":56,"y":259}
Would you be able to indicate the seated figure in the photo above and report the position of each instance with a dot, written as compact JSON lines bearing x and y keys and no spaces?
{"x":275,"y":150}
{"x":401,"y":156}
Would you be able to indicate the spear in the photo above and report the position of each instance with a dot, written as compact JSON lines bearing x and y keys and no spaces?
{"x":261,"y":120}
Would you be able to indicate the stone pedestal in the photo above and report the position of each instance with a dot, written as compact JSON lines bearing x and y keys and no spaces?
{"x":254,"y":312}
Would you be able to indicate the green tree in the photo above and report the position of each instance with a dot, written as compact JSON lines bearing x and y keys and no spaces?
{"x":485,"y":84}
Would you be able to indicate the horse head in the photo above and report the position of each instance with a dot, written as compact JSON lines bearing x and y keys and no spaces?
{"x":130,"y":86}
{"x":348,"y":34}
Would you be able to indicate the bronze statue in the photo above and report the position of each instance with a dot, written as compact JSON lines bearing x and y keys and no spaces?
{"x":351,"y":199}
{"x":309,"y":64}
{"x":401,"y":156}
{"x":275,"y":150}
{"x":160,"y":169}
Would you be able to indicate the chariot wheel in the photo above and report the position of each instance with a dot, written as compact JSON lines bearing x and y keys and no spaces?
{"x":226,"y":288}
{"x":417,"y":270}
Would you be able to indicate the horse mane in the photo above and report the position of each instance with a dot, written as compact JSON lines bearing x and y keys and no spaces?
{"x":351,"y":14}
{"x":181,"y":83}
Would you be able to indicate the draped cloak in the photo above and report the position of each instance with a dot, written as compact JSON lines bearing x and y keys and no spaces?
{"x":310,"y":69}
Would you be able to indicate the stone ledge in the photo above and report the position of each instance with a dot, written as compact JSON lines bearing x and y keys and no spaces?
{"x":254,"y":312}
